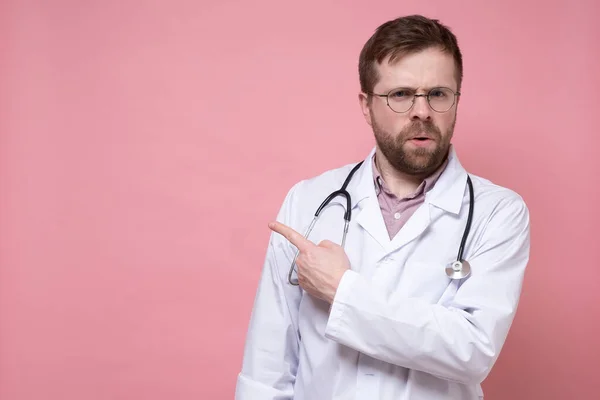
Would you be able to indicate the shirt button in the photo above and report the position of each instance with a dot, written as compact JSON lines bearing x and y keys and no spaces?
{"x":397,"y":215}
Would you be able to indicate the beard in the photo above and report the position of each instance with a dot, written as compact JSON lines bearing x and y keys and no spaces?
{"x":417,"y":161}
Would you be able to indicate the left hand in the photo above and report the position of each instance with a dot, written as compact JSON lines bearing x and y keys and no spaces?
{"x":320,"y":267}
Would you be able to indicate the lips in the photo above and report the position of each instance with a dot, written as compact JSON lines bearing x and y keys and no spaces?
{"x":421,"y":141}
{"x":421,"y":133}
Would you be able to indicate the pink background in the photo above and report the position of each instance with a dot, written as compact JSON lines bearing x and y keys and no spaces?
{"x":145,"y":146}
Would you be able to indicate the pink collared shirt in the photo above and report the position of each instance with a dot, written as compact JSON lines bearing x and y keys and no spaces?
{"x":397,"y":211}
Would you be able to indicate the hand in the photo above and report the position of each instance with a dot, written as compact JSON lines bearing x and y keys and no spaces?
{"x":320,"y":267}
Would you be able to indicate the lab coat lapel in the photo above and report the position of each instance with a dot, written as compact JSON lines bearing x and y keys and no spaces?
{"x":446,"y":196}
{"x":449,"y":193}
{"x":371,"y":220}
{"x":368,"y":215}
{"x":414,"y":227}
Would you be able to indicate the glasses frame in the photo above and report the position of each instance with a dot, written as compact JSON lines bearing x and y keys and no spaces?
{"x":414,"y":96}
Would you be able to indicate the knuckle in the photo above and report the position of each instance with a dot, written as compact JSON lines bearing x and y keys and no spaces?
{"x":311,"y":256}
{"x":301,"y":261}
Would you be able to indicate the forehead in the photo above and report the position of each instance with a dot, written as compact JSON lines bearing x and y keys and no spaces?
{"x":425,"y":69}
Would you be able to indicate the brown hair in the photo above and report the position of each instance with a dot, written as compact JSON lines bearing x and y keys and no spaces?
{"x":401,"y":36}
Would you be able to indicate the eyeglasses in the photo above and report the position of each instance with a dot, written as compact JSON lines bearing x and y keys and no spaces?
{"x":401,"y":100}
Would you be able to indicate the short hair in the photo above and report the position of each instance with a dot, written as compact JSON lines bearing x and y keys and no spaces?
{"x":401,"y":36}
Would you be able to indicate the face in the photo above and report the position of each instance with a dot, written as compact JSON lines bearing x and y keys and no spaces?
{"x":415,"y":142}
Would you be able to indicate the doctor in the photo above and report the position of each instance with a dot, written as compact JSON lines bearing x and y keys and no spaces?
{"x":379,"y":317}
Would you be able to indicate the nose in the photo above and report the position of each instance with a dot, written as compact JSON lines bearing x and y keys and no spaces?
{"x":420,"y":109}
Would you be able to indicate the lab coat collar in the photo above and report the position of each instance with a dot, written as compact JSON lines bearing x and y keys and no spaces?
{"x":447,"y":194}
{"x":369,"y":214}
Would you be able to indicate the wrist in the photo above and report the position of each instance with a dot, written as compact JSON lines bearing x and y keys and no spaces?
{"x":334,"y":287}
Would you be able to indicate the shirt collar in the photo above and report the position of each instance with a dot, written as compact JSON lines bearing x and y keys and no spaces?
{"x":425,"y":186}
{"x":447,"y":193}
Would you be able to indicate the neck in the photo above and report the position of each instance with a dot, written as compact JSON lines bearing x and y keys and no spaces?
{"x":400,"y":183}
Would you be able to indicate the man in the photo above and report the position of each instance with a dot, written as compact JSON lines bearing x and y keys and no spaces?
{"x":381,"y":315}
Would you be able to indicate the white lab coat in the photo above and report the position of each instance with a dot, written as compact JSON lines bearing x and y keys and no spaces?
{"x":398,"y":328}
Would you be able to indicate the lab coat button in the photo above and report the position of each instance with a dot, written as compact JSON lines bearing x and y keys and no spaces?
{"x":397,"y":215}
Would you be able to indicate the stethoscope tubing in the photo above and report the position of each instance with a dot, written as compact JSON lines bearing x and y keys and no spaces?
{"x":457,"y":272}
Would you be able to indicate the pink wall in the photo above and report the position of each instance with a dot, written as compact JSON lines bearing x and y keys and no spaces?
{"x":145,"y":145}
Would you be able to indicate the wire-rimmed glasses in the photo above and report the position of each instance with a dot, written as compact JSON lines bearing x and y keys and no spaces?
{"x":400,"y":100}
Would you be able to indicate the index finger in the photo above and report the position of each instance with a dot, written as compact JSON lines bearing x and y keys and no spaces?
{"x":294,"y":237}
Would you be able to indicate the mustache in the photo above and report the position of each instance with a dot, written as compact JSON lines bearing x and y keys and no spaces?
{"x":419,"y":127}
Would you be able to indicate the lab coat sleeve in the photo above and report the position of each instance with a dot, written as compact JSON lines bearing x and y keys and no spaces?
{"x":270,"y":358}
{"x":459,"y":340}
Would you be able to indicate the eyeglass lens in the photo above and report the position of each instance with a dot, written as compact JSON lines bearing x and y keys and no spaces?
{"x":440,"y":99}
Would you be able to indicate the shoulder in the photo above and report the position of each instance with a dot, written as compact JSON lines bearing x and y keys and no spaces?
{"x":499,"y":203}
{"x":305,"y":196}
{"x":493,"y":193}
{"x":322,"y":184}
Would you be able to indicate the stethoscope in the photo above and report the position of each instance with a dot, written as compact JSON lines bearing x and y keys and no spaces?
{"x":458,"y":269}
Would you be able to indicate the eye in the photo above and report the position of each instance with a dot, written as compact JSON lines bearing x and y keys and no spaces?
{"x":399,"y":94}
{"x":438,"y":93}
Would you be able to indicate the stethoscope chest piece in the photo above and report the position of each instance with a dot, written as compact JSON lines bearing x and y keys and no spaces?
{"x":458,"y":270}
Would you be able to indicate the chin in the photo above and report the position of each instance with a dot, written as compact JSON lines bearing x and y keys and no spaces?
{"x":422,"y":164}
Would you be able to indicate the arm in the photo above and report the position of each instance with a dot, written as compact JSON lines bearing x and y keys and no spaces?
{"x":458,"y":341}
{"x":271,"y":350}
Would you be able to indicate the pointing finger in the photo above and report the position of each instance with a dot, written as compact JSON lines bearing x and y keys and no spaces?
{"x":294,"y":237}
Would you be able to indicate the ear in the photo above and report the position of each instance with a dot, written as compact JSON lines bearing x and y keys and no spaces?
{"x":365,"y":107}
{"x":456,"y":105}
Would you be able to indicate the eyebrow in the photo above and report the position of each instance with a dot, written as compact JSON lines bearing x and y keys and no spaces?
{"x":427,"y":88}
{"x":424,"y":89}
